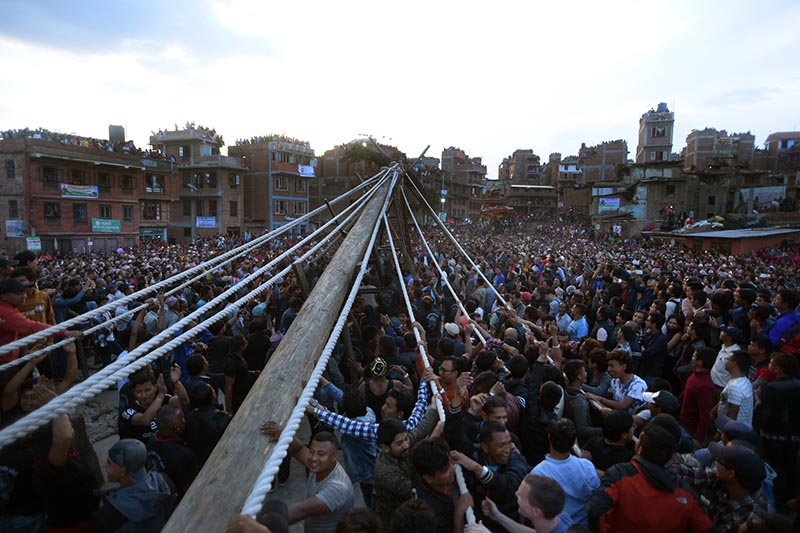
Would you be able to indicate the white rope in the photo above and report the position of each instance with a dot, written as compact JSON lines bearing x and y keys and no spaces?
{"x":263,"y":484}
{"x":30,"y":339}
{"x":442,"y":275}
{"x":462,"y":486}
{"x":457,"y":245}
{"x":125,"y":366}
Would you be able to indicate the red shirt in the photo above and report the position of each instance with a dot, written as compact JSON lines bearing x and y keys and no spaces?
{"x":13,"y":326}
{"x":698,"y":399}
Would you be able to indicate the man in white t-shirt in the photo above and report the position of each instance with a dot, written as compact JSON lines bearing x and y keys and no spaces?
{"x":736,"y":399}
{"x":626,"y":387}
{"x":329,"y":493}
{"x":730,"y":338}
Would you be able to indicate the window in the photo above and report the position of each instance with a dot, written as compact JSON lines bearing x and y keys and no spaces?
{"x":127,"y":214}
{"x":712,"y":200}
{"x":234,"y":180}
{"x":670,"y":190}
{"x":13,"y":209}
{"x":105,"y":211}
{"x":211,"y":180}
{"x":280,"y":207}
{"x":658,"y":131}
{"x":234,"y":208}
{"x":51,"y":177}
{"x":299,"y":208}
{"x":299,"y":185}
{"x":154,"y":183}
{"x":104,"y":182}
{"x":52,"y":213}
{"x":187,"y":232}
{"x":281,"y":184}
{"x":187,"y":208}
{"x":78,"y":177}
{"x":151,"y":211}
{"x":127,"y":183}
{"x":11,"y":171}
{"x":652,"y":156}
{"x":198,"y":208}
{"x":212,"y":208}
{"x":80,"y":214}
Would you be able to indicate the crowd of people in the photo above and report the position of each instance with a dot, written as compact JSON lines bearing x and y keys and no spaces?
{"x":125,"y":147}
{"x":587,"y":385}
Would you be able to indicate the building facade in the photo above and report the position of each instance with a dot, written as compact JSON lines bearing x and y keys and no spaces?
{"x":463,"y":183}
{"x":78,"y":194}
{"x":655,"y":135}
{"x":277,"y":185}
{"x":209,"y":199}
{"x":710,"y":148}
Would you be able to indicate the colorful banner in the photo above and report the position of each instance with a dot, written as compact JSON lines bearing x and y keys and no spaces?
{"x":105,"y":225}
{"x":34,"y":244}
{"x":305,"y":170}
{"x":15,"y":228}
{"x":206,"y":222}
{"x":608,"y":204}
{"x":78,"y":191}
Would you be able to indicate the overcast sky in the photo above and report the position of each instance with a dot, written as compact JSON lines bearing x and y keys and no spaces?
{"x":489,"y":77}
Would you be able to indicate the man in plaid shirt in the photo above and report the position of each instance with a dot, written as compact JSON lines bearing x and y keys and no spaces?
{"x":393,"y":408}
{"x":731,"y":494}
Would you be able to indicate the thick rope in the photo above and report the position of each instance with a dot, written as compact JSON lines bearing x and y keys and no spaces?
{"x":124,"y":366}
{"x":462,"y":486}
{"x":457,"y":244}
{"x":442,"y":275}
{"x":263,"y":484}
{"x":111,"y":306}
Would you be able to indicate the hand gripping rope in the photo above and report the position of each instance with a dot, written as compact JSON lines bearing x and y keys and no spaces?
{"x":442,"y":275}
{"x":262,"y":485}
{"x":124,"y":366}
{"x":202,"y":267}
{"x":462,"y":485}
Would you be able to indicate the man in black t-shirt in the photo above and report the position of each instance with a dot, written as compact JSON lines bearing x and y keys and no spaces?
{"x":238,"y":378}
{"x":431,"y":460}
{"x":615,"y":445}
{"x":137,"y":420}
{"x":168,"y":453}
{"x":205,"y":423}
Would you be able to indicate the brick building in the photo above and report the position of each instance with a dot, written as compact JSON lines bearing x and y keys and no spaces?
{"x":710,"y":148}
{"x":210,"y":196}
{"x":276,"y":188}
{"x":464,"y":179}
{"x":80,"y":194}
{"x":524,"y":183}
{"x":655,"y":135}
{"x":601,"y":162}
{"x":781,"y":152}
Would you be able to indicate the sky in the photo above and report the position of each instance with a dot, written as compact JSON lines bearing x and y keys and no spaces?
{"x":488,"y":77}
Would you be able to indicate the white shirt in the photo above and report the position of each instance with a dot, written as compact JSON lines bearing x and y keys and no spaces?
{"x":738,"y":391}
{"x":719,"y":375}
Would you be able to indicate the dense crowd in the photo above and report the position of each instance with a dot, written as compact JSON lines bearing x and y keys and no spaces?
{"x":589,"y":384}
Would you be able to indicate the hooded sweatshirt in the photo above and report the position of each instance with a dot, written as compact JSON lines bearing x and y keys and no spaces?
{"x":643,"y":496}
{"x":146,"y":504}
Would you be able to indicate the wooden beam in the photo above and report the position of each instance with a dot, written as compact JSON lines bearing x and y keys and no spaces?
{"x":219,"y":491}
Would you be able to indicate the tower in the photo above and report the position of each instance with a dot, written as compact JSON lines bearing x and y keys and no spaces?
{"x":655,"y":135}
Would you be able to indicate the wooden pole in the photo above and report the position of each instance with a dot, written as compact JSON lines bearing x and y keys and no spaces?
{"x":219,"y":491}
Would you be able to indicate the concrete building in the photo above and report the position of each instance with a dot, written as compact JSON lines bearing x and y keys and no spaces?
{"x":463,"y":183}
{"x":276,"y":187}
{"x":210,"y":197}
{"x":75,"y":194}
{"x":655,"y":135}
{"x":523,"y":182}
{"x":710,"y":148}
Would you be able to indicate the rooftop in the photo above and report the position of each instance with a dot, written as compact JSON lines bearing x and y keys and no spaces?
{"x":743,"y":233}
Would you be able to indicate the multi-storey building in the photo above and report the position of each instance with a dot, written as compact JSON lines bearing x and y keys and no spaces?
{"x":463,"y":183}
{"x":655,"y":135}
{"x":781,"y":152}
{"x":709,"y":148}
{"x":210,"y":197}
{"x":601,"y":162}
{"x":276,"y":188}
{"x":71,"y":193}
{"x":524,"y":184}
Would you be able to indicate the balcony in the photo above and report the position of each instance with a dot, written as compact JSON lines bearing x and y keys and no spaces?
{"x":219,"y":161}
